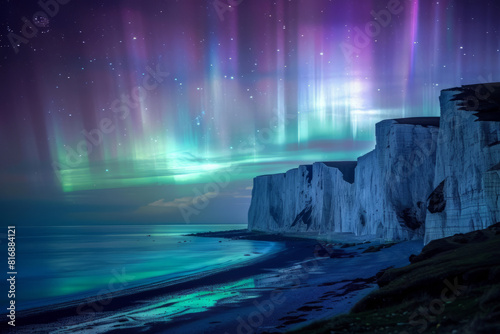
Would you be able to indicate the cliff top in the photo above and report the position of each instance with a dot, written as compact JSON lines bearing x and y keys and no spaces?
{"x":483,"y":100}
{"x":345,"y":167}
{"x":424,"y":121}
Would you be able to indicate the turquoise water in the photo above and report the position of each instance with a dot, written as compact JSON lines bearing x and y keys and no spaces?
{"x":58,"y":264}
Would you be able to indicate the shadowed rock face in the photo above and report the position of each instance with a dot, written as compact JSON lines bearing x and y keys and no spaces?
{"x":410,"y":219}
{"x":494,"y":168}
{"x":304,"y":216}
{"x":309,"y":173}
{"x":436,"y":201}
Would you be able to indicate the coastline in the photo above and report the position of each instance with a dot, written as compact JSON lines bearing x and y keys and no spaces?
{"x":279,"y":276}
{"x":451,"y":286}
{"x":298,"y":296}
{"x":62,"y":314}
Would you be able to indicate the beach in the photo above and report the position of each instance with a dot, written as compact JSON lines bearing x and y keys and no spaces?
{"x":304,"y":280}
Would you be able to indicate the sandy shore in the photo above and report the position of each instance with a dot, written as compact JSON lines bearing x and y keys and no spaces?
{"x":306,"y":281}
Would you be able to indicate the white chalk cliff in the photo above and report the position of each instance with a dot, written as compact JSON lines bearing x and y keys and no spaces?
{"x":427,"y":178}
{"x":467,"y":177}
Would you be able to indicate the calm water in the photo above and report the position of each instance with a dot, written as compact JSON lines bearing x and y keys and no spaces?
{"x":57,"y":264}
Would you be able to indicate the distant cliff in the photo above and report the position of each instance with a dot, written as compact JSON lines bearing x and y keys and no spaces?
{"x":427,"y":178}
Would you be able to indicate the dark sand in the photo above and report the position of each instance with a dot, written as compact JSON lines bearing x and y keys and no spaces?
{"x":460,"y":274}
{"x":302,"y":283}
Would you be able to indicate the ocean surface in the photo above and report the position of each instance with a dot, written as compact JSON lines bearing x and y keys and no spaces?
{"x":59,"y":264}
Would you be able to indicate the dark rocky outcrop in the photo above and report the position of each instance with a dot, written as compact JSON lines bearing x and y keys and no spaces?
{"x":436,"y":201}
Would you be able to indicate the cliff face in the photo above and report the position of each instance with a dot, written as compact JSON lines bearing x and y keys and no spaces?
{"x":393,"y":181}
{"x":467,"y":178}
{"x":347,"y":196}
{"x":426,"y":178}
{"x":302,"y":199}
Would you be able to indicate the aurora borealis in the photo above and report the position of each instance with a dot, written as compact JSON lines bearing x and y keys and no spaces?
{"x":123,"y":111}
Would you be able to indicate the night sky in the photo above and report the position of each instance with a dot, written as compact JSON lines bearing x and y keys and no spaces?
{"x":126,"y":111}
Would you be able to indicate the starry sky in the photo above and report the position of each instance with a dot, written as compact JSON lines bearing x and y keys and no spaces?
{"x":163,"y":111}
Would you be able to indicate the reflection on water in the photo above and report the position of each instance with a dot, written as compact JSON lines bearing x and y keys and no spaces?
{"x":57,"y":264}
{"x":165,"y":309}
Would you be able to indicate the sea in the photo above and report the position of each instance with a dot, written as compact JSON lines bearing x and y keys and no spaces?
{"x":59,"y":264}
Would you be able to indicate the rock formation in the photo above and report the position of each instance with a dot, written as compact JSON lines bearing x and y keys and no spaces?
{"x":317,"y":197}
{"x":428,"y":177}
{"x":467,"y":177}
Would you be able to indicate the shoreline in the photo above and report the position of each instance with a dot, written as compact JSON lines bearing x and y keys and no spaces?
{"x":278,"y":271}
{"x":333,"y":288}
{"x":129,"y":297}
{"x":135,"y":290}
{"x":451,"y":286}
